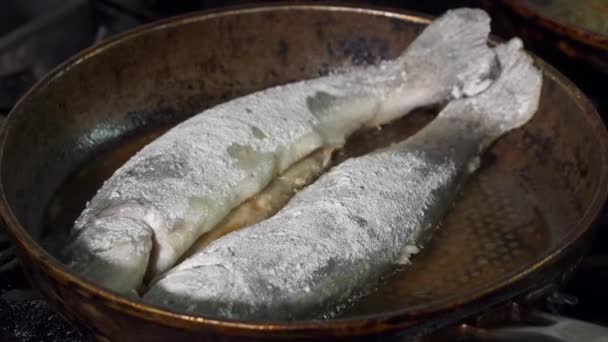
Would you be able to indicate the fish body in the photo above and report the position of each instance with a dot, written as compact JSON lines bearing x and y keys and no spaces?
{"x":270,"y":200}
{"x":341,"y":233}
{"x":153,"y":208}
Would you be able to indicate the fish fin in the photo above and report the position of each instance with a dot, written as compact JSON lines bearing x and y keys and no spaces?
{"x":509,"y":102}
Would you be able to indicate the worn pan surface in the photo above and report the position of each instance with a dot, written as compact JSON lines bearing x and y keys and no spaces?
{"x":522,"y":222}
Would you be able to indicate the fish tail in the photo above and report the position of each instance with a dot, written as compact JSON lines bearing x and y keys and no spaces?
{"x":509,"y":102}
{"x":449,"y":59}
{"x":454,"y":50}
{"x":520,"y":87}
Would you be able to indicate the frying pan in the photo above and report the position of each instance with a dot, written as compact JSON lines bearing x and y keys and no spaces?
{"x":554,"y":32}
{"x":523,"y":222}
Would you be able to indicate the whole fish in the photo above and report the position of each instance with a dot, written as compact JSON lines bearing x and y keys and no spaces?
{"x":150,"y":212}
{"x":355,"y":222}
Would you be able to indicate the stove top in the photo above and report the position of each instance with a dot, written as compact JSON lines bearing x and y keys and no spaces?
{"x":36,"y":35}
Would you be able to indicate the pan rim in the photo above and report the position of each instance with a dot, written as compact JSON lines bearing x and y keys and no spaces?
{"x":398,"y":318}
{"x":574,"y":32}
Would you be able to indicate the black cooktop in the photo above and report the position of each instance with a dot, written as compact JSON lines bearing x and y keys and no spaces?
{"x":24,"y":315}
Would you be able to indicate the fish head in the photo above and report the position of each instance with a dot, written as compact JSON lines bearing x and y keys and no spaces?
{"x":111,"y":251}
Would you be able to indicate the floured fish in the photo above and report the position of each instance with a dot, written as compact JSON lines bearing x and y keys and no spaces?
{"x":270,"y":200}
{"x":355,"y":222}
{"x":151,"y":211}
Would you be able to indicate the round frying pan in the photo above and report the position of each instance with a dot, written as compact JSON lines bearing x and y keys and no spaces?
{"x":522,"y":222}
